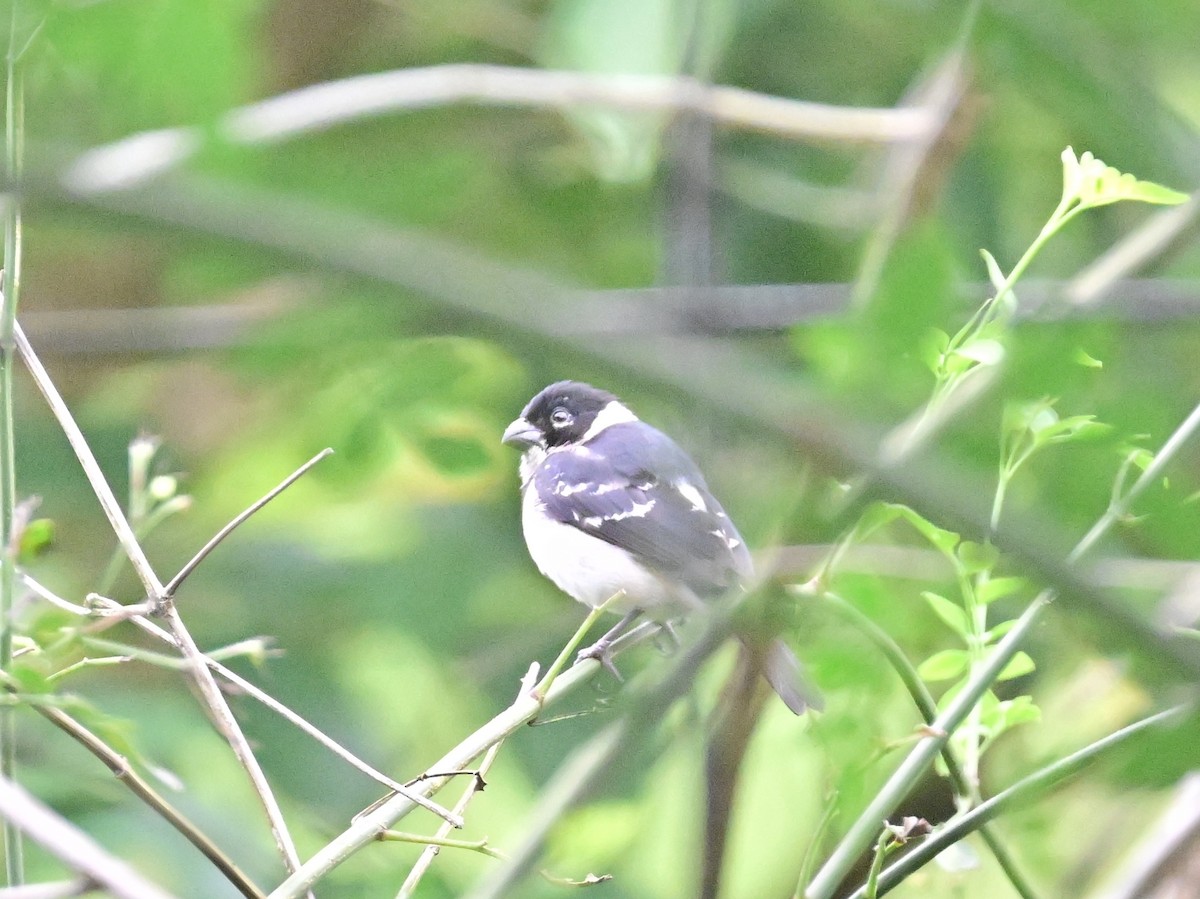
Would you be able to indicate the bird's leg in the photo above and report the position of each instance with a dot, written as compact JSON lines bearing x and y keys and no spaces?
{"x":601,"y":650}
{"x":668,"y":628}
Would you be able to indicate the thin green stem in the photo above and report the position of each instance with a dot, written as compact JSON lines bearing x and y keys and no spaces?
{"x":556,"y":667}
{"x":1120,"y":505}
{"x":14,"y":135}
{"x":1025,"y":790}
{"x":924,"y":701}
{"x":882,"y":845}
{"x":858,"y":837}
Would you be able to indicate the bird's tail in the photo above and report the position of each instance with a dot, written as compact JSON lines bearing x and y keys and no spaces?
{"x":785,"y":674}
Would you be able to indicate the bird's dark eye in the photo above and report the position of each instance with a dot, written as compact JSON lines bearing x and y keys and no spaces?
{"x":560,"y":417}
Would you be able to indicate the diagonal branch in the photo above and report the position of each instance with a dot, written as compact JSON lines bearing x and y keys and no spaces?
{"x":423,"y":863}
{"x":125,"y":773}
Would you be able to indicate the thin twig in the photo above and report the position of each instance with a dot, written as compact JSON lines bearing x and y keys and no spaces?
{"x":173,"y":584}
{"x":104,"y":605}
{"x":74,"y":847}
{"x":53,"y":598}
{"x":1153,"y":471}
{"x":91,"y":468}
{"x":303,"y":724}
{"x":365,"y":829}
{"x":138,"y":158}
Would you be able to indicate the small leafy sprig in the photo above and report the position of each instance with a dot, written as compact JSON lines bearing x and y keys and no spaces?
{"x":980,"y":343}
{"x":1027,"y":428}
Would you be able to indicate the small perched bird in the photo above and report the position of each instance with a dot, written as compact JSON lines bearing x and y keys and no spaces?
{"x":611,"y":505}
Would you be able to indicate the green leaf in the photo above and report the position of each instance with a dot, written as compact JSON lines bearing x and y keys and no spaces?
{"x":976,"y":557}
{"x":950,"y":612}
{"x":1018,"y":710}
{"x":1020,"y":664}
{"x":995,"y":275}
{"x":932,"y":348}
{"x":1074,"y":427}
{"x":36,"y":538}
{"x":942,"y":539}
{"x":1138,"y":457}
{"x":1087,"y":361}
{"x":1092,"y":182}
{"x":944,"y":665}
{"x":985,"y":351}
{"x":998,"y":587}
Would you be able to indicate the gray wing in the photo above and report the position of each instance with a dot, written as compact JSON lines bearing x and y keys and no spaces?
{"x":633,"y":487}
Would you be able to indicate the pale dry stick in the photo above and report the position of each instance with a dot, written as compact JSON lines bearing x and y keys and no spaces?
{"x":214,"y":701}
{"x":425,"y":860}
{"x":366,"y":827}
{"x":53,"y":598}
{"x":138,"y":158}
{"x":74,"y":847}
{"x":61,"y":889}
{"x":91,"y":468}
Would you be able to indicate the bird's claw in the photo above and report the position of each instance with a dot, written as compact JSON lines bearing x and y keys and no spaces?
{"x":601,"y":651}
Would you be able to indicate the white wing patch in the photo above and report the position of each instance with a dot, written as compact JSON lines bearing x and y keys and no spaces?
{"x":692,"y":495}
{"x":562,"y":488}
{"x":728,"y":539}
{"x":637,"y":510}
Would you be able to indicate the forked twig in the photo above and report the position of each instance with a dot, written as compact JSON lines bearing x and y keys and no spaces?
{"x":425,"y":860}
{"x":214,"y":701}
{"x":104,"y":605}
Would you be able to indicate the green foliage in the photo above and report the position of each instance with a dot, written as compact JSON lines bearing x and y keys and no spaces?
{"x":393,"y":576}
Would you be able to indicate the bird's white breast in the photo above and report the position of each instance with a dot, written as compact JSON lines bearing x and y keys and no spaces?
{"x":591,"y":570}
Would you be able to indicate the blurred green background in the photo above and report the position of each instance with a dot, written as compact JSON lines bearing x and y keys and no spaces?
{"x":398,"y":285}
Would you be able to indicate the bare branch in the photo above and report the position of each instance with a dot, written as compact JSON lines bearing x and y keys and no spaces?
{"x":74,"y":847}
{"x":318,"y":107}
{"x":91,"y":468}
{"x":409,"y":887}
{"x":303,"y":724}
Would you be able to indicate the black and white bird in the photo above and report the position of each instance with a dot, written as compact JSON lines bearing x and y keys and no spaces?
{"x":612,"y":507}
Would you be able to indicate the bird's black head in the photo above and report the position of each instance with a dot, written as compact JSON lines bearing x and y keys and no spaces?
{"x":561,"y":414}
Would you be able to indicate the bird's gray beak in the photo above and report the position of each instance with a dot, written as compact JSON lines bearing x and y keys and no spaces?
{"x":521,"y":434}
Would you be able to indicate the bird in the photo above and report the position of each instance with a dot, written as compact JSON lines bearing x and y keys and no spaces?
{"x":615,"y":513}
